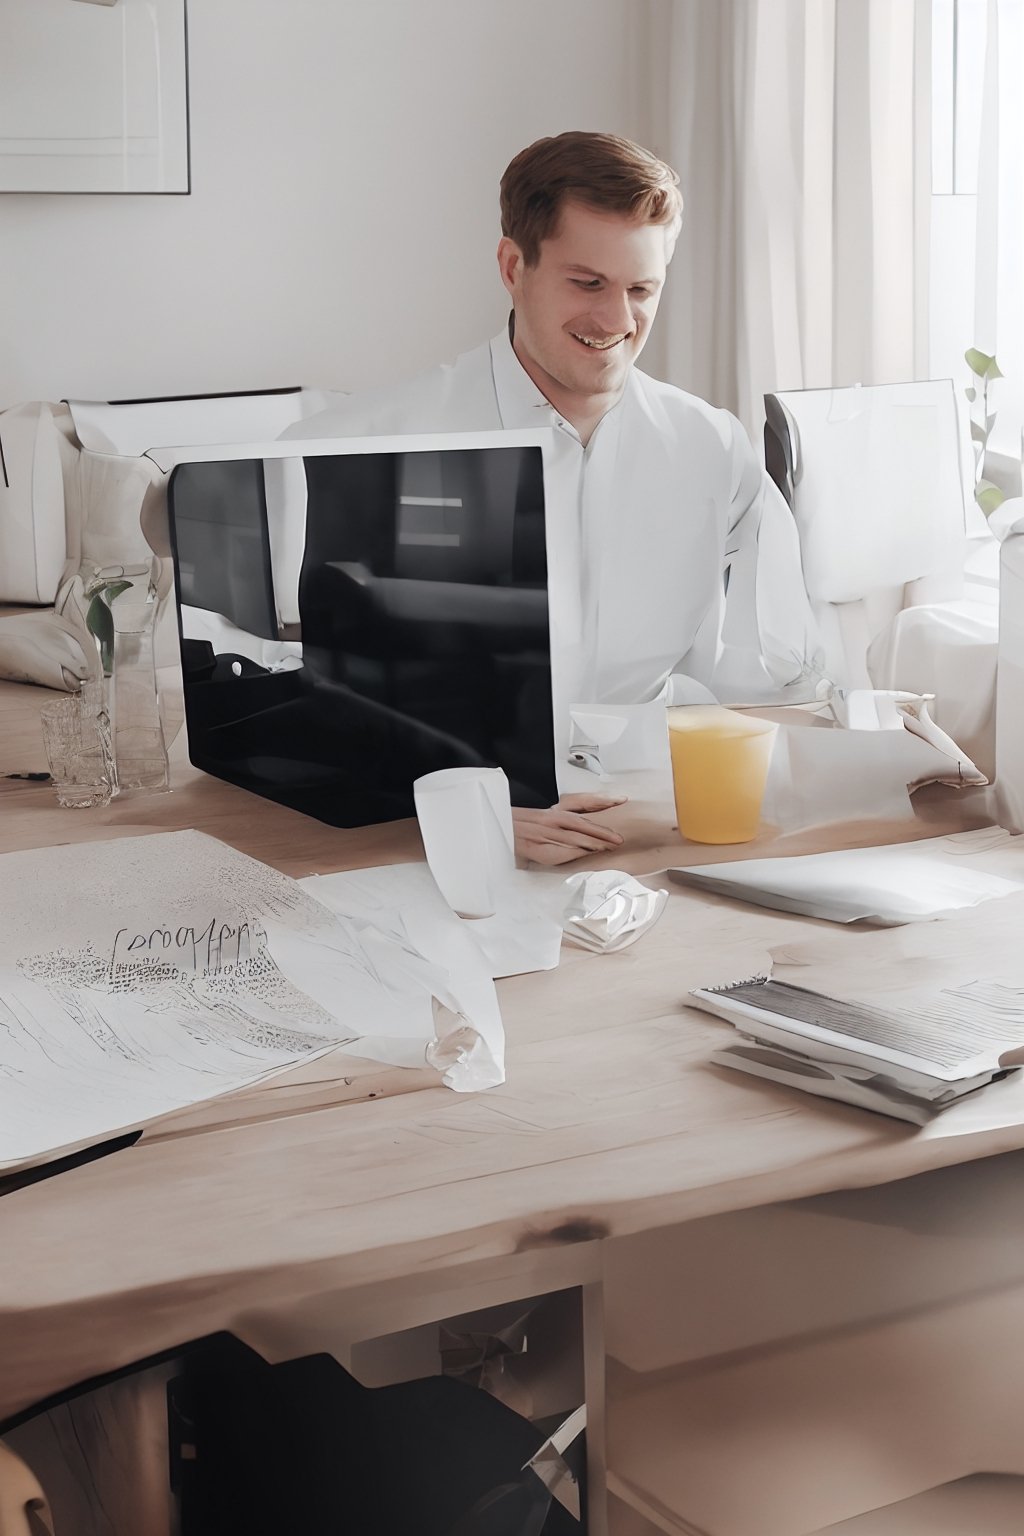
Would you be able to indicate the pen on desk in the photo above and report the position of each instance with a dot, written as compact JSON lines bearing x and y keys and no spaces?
{"x":9,"y":1182}
{"x":37,"y":778}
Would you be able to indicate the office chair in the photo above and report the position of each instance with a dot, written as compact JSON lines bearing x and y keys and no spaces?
{"x":874,"y":479}
{"x":303,"y":1446}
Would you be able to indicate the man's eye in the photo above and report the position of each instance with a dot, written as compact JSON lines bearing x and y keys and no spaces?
{"x":585,"y":282}
{"x":642,"y":293}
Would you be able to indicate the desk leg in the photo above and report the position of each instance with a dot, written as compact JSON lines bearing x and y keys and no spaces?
{"x":594,"y":1392}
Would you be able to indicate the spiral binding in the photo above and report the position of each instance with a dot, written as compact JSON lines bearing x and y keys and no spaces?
{"x":731,"y":986}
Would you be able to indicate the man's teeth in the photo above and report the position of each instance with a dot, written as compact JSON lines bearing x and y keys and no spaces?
{"x":602,"y":346}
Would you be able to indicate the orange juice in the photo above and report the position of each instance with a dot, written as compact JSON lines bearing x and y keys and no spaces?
{"x":719,"y":769}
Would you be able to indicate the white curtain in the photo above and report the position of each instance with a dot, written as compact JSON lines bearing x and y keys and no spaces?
{"x":999,"y":238}
{"x":792,"y":125}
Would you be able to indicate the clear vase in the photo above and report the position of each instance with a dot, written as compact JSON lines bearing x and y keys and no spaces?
{"x":140,"y":754}
{"x":119,"y":606}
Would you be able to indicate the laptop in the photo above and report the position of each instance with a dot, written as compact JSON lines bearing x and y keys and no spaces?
{"x":355,"y":613}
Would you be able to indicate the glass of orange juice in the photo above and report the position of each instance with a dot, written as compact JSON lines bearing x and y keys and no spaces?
{"x":719,"y":769}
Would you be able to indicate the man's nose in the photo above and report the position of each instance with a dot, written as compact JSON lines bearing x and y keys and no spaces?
{"x":614,"y":313}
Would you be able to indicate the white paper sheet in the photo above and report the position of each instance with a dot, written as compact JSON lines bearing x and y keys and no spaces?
{"x":821,"y":773}
{"x":402,"y":903}
{"x":525,"y":934}
{"x":143,"y":974}
{"x":878,"y":709}
{"x":888,"y":885}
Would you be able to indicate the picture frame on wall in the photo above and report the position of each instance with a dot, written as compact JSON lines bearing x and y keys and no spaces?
{"x":94,"y":96}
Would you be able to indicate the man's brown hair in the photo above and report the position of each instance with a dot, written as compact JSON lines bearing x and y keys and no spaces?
{"x":597,"y":169}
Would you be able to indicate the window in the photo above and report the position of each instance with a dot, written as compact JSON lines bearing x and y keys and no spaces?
{"x":977,"y":226}
{"x":958,"y":71}
{"x":958,"y":65}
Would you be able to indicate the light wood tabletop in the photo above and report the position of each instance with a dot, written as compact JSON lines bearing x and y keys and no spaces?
{"x":350,"y":1181}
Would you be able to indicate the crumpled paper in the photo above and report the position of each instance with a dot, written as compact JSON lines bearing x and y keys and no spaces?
{"x":607,"y":910}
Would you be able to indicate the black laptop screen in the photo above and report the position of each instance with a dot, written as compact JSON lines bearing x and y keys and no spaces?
{"x":351,"y":621}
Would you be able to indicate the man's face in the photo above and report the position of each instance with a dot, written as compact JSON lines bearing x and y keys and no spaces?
{"x":584,"y":311}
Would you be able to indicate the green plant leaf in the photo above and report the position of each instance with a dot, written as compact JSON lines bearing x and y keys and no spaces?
{"x":971,"y":393}
{"x":978,"y":362}
{"x":99,"y":619}
{"x":979,"y":433}
{"x":988,"y":496}
{"x":100,"y":622}
{"x":993,"y":371}
{"x":990,"y":422}
{"x":114,"y":589}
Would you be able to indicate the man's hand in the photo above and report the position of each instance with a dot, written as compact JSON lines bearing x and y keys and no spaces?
{"x":565,"y":832}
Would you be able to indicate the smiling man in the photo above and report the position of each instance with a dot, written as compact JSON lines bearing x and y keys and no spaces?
{"x":585,"y":284}
{"x":689,"y":565}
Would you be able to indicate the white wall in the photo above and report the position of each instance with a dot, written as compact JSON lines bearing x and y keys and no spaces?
{"x":343,"y":215}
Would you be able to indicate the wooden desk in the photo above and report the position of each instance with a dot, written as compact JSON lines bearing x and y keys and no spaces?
{"x":288,"y":1207}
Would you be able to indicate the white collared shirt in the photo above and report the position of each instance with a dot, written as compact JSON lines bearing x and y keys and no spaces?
{"x":688,"y":556}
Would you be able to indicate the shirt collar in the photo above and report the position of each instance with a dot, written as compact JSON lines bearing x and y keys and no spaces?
{"x":520,"y":402}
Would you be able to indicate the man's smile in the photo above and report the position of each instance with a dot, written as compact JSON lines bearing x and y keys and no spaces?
{"x":600,"y":344}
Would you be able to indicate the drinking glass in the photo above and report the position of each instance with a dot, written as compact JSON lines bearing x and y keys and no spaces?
{"x":76,"y":735}
{"x":720,"y":765}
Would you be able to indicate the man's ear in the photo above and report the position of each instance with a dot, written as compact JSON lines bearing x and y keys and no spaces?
{"x":510,"y":264}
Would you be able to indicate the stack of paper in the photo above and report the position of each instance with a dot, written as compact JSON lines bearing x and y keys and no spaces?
{"x":910,"y":1060}
{"x":146,"y":974}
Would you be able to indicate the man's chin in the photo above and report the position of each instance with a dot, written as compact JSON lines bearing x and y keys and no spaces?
{"x":601,"y":380}
{"x":596,"y":360}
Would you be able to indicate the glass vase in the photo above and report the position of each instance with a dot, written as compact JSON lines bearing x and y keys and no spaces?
{"x":120,"y":610}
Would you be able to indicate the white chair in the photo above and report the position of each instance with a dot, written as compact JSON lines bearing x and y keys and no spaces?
{"x":32,"y":536}
{"x":874,"y":477}
{"x":1009,"y":792}
{"x":952,"y":650}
